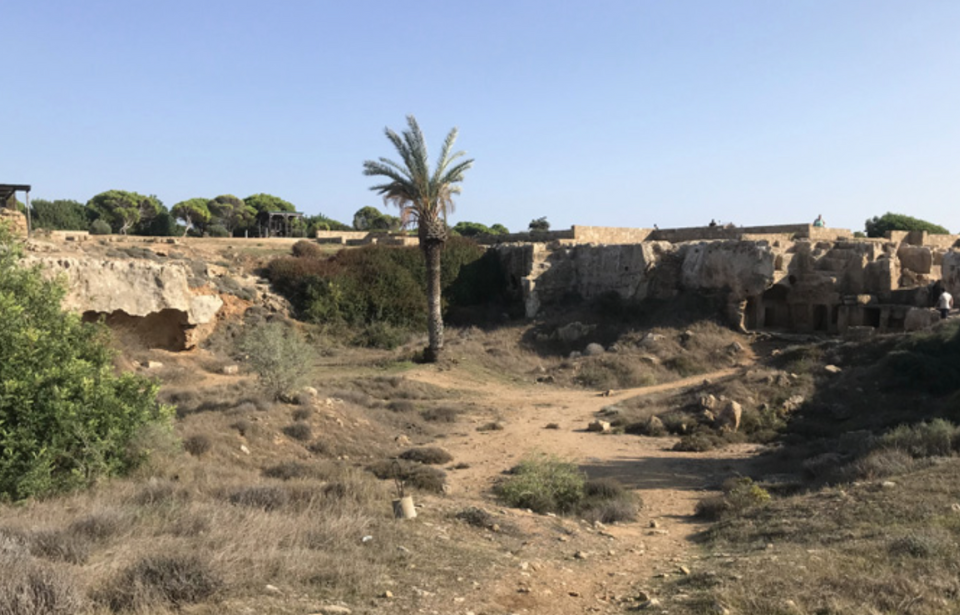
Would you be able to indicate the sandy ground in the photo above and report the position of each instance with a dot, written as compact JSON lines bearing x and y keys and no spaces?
{"x":568,"y":566}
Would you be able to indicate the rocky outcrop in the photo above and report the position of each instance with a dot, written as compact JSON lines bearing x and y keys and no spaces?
{"x":152,"y":300}
{"x":769,"y":282}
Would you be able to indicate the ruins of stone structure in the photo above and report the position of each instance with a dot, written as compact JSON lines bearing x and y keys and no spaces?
{"x":795,"y":277}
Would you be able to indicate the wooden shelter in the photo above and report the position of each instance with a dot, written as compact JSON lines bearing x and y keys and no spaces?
{"x":277,"y":223}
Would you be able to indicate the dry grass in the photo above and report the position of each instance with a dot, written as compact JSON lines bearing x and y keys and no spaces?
{"x":856,"y":550}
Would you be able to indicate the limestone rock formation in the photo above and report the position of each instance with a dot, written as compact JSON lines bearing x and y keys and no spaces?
{"x":790,"y":277}
{"x":149,"y":299}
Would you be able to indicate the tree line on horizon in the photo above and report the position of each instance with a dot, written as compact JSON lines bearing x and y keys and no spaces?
{"x":125,"y":212}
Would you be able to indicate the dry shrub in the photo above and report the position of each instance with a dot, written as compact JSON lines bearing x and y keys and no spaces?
{"x":606,"y":500}
{"x":288,"y":470}
{"x":358,"y":398}
{"x":613,"y":372}
{"x":410,"y":473}
{"x":712,"y":508}
{"x":491,"y":426}
{"x":740,"y":495}
{"x":934,"y":439}
{"x":302,"y":414}
{"x":923,"y":543}
{"x":551,"y":426}
{"x":431,"y":455}
{"x":298,"y":431}
{"x":97,"y":526}
{"x":604,"y":488}
{"x":32,"y":588}
{"x":243,"y":427}
{"x":698,"y":442}
{"x":402,"y":405}
{"x":264,"y":497}
{"x":822,"y":467}
{"x":174,"y":580}
{"x":610,"y":511}
{"x":441,"y":414}
{"x":882,"y":463}
{"x":59,"y":546}
{"x":477,"y":517}
{"x":155,"y":493}
{"x":197,"y":444}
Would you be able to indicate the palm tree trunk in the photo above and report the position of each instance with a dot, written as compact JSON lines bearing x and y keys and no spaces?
{"x":431,"y":253}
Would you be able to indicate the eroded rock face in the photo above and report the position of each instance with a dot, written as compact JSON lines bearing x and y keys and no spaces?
{"x":951,"y":273}
{"x":151,"y":300}
{"x":776,"y":282}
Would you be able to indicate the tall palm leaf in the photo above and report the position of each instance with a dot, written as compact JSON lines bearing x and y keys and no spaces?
{"x":424,"y":199}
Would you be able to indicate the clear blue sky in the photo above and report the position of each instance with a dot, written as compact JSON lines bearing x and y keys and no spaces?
{"x":618,"y":113}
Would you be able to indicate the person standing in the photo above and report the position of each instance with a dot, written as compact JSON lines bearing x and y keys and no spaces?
{"x":819,"y":223}
{"x":944,"y":304}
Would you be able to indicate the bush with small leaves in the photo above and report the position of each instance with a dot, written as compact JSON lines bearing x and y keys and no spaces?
{"x":298,"y":431}
{"x":442,"y":414}
{"x":543,"y":484}
{"x":411,"y":474}
{"x":302,"y":414}
{"x":288,"y":470}
{"x":265,"y":497}
{"x":279,"y":355}
{"x":68,"y":419}
{"x":430,"y":455}
{"x":401,"y":405}
{"x":307,"y":249}
{"x":477,"y":517}
{"x":924,"y":543}
{"x":100,"y":227}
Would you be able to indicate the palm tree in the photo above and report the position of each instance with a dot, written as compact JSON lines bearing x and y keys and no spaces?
{"x":424,"y":199}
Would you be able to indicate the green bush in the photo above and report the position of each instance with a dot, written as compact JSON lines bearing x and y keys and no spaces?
{"x":937,"y":438}
{"x":100,"y":227}
{"x":383,"y":286}
{"x":307,"y":248}
{"x":60,"y":215}
{"x":739,"y":496}
{"x":278,"y":355}
{"x":217,"y":230}
{"x":879,"y":225}
{"x":66,"y":418}
{"x":543,"y":484}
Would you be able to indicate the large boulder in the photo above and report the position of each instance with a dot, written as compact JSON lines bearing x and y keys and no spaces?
{"x":918,"y":259}
{"x":729,"y":417}
{"x":920,"y":318}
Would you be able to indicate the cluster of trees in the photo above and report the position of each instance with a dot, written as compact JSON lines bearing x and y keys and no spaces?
{"x":879,"y":225}
{"x":124,"y":212}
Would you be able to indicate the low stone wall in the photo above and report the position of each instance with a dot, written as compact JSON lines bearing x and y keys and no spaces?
{"x":610,"y":235}
{"x":528,"y":237}
{"x":15,"y":220}
{"x":341,"y":236}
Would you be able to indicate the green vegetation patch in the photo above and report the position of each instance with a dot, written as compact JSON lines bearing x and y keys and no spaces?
{"x":66,"y":418}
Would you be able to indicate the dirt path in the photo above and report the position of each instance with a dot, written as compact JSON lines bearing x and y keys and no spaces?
{"x":617,"y":559}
